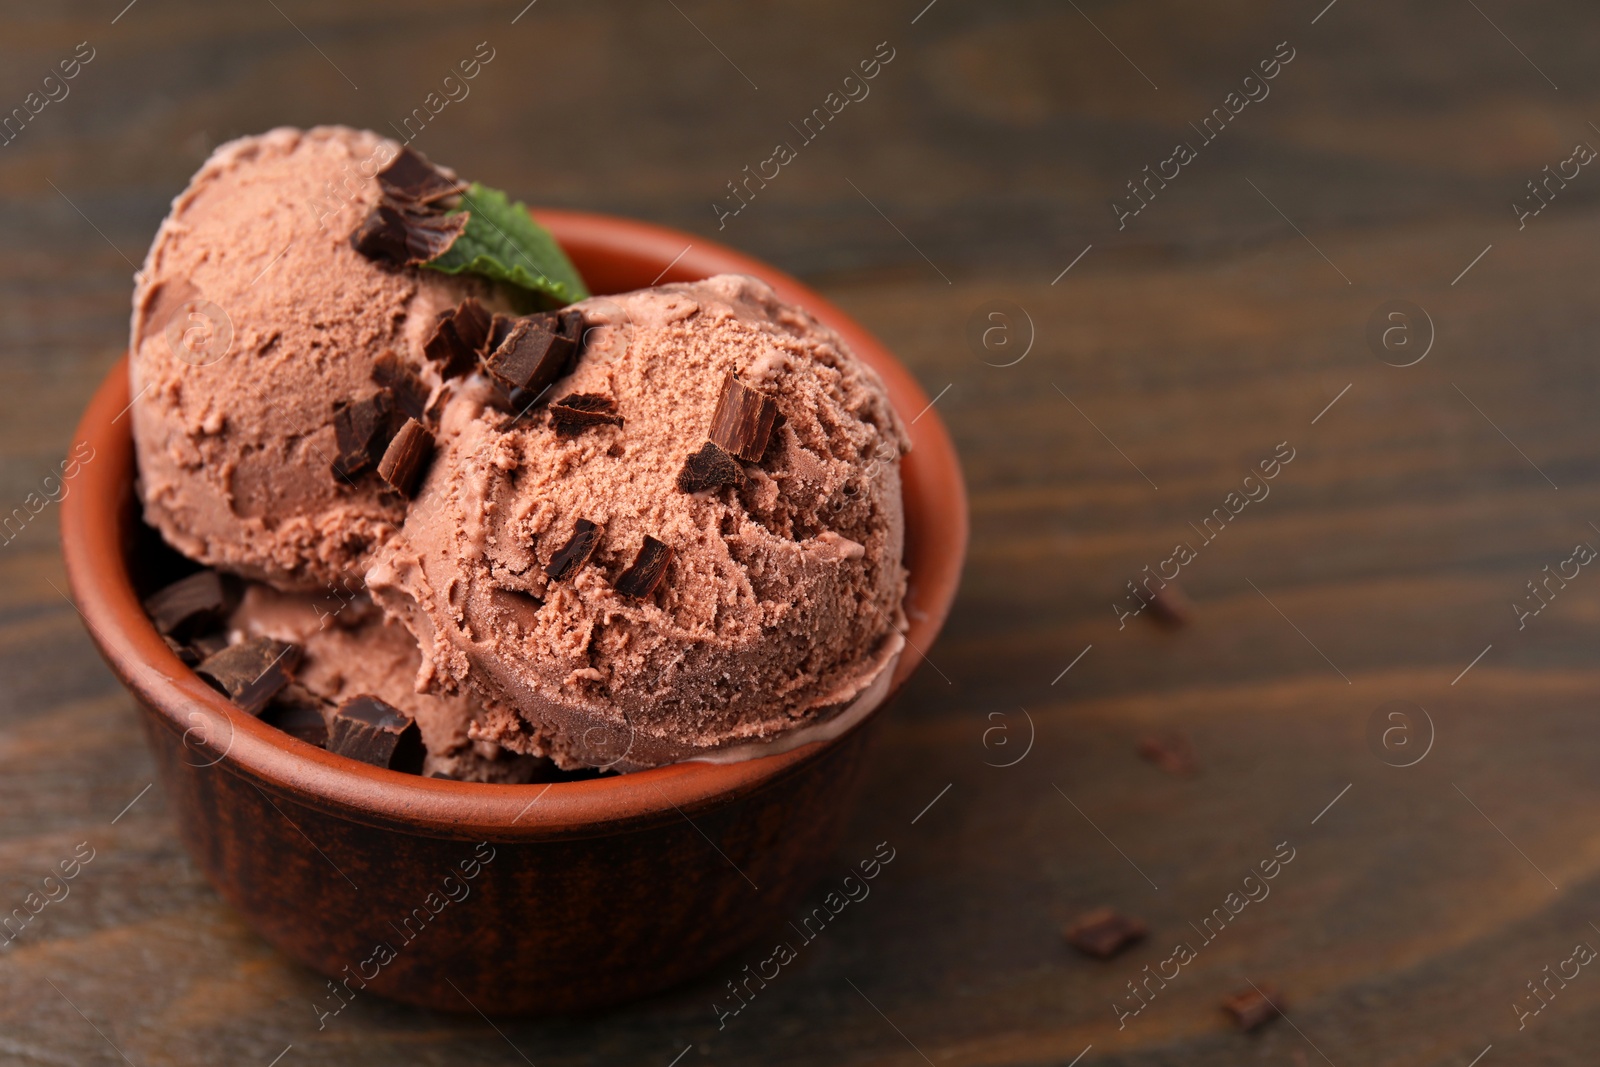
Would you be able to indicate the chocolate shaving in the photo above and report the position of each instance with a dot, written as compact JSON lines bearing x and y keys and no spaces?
{"x":709,"y":468}
{"x":186,"y":655}
{"x":576,"y":412}
{"x":362,"y":430}
{"x":743,"y":421}
{"x":430,"y":236}
{"x":649,"y":567}
{"x":500,"y":328}
{"x":460,"y":337}
{"x":298,"y":715}
{"x":1253,"y":1007}
{"x":367,"y":729}
{"x":251,"y":672}
{"x":531,"y":354}
{"x":576,"y":552}
{"x":382,"y":235}
{"x":401,"y":234}
{"x":208,"y":644}
{"x":472,"y":322}
{"x":189,"y":605}
{"x":411,"y":177}
{"x":407,"y":226}
{"x":572,"y":328}
{"x":1104,"y":932}
{"x":406,"y":457}
{"x":410,"y":395}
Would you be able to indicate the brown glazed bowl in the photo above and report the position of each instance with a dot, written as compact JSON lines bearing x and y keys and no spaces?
{"x":504,"y":899}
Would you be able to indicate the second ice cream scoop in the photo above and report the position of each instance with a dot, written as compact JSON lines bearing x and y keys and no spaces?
{"x":693,"y":542}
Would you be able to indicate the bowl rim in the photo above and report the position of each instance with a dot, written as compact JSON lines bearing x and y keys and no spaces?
{"x":215,"y":734}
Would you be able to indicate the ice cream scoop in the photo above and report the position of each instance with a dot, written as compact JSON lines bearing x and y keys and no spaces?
{"x":256,"y":326}
{"x":689,"y":544}
{"x":348,"y":650}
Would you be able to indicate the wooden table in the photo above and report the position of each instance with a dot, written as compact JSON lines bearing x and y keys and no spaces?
{"x":1225,"y":321}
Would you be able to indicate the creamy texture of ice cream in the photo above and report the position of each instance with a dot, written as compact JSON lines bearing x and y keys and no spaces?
{"x":252,"y":318}
{"x":350,"y":650}
{"x":258,"y":326}
{"x":781,"y":606}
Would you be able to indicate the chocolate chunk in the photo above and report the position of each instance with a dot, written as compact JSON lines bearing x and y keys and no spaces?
{"x":500,"y":328}
{"x":186,"y":655}
{"x":449,"y":349}
{"x":190,"y":605}
{"x":382,"y":235}
{"x":709,"y":468}
{"x":472,"y":321}
{"x":460,"y":337}
{"x":649,"y":567}
{"x":576,"y":552}
{"x":1170,"y":750}
{"x":367,"y":729}
{"x":411,"y":177}
{"x":251,"y":672}
{"x":1171,"y":606}
{"x":743,"y":420}
{"x":406,"y":237}
{"x":409,"y":394}
{"x":406,"y":457}
{"x":576,"y":412}
{"x":572,"y":328}
{"x":531,"y":355}
{"x":208,"y":644}
{"x":362,"y":429}
{"x":1252,"y":1007}
{"x":1104,"y":932}
{"x":428,"y":237}
{"x":299,"y":717}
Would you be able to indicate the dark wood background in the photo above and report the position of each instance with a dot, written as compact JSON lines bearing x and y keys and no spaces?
{"x":1213,"y":327}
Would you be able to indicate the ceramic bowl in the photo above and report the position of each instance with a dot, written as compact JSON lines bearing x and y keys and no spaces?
{"x":502,"y":899}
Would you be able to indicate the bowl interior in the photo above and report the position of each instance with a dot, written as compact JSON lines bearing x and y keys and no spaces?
{"x":100,"y":532}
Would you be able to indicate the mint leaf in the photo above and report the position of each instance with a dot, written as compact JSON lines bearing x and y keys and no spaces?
{"x":503,"y":242}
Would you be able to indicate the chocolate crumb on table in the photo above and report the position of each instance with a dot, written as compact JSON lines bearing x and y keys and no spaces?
{"x":576,"y":552}
{"x":709,"y":468}
{"x":1104,"y":932}
{"x":406,"y":457}
{"x":251,"y":672}
{"x":1253,"y":1007}
{"x":367,"y":729}
{"x":649,"y":567}
{"x":1171,"y":606}
{"x":1170,"y":750}
{"x":742,"y":423}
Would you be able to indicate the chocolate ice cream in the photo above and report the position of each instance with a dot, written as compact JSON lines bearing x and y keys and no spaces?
{"x":621,"y":597}
{"x":642,"y":528}
{"x":254,"y":319}
{"x":348,"y":649}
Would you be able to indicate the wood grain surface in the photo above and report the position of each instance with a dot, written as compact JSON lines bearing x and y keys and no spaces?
{"x":1215,"y":328}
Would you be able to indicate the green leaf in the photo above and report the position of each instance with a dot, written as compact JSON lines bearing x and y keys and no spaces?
{"x":503,"y":242}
